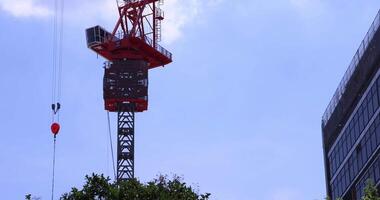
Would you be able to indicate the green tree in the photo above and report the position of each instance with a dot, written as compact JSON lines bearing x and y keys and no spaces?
{"x":370,"y":191}
{"x":98,"y":187}
{"x":29,"y":197}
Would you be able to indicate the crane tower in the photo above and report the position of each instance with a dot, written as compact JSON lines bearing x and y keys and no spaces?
{"x":131,"y":49}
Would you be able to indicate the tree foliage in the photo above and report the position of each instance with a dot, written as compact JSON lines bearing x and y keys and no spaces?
{"x":98,"y":187}
{"x":370,"y":191}
{"x":29,"y":197}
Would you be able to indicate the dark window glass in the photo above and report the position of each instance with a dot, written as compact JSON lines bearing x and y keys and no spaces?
{"x":344,"y":148}
{"x":373,"y":141}
{"x":355,"y":163}
{"x":366,"y":152}
{"x":367,"y":145}
{"x":360,"y":156}
{"x":365,"y":116}
{"x":356,"y":130}
{"x":353,"y":139}
{"x":361,"y":123}
{"x":349,"y":141}
{"x":339,"y":185}
{"x":377,"y":121}
{"x":352,"y":173}
{"x":347,"y":176}
{"x":351,"y":125}
{"x":338,"y":155}
{"x":375,"y":101}
{"x":377,"y":172}
{"x":371,"y":174}
{"x":370,"y":106}
{"x":333,"y":166}
{"x":377,"y":133}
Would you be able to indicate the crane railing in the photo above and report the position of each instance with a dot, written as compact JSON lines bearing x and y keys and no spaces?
{"x":351,"y":69}
{"x":158,"y":47}
{"x":98,"y":35}
{"x":120,"y":35}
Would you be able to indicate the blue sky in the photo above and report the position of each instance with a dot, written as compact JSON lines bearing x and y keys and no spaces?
{"x":237,"y":113}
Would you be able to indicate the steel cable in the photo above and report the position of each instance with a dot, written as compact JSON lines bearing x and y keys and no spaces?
{"x":53,"y":179}
{"x":110,"y":137}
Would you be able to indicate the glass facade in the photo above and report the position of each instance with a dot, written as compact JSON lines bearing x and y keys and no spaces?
{"x":372,"y":173}
{"x":359,"y":140}
{"x":351,"y":123}
{"x":354,"y":128}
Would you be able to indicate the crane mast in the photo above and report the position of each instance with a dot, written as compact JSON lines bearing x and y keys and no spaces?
{"x":131,"y":50}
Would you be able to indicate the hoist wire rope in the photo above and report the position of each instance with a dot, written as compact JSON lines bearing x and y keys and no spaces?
{"x":60,"y":50}
{"x":56,"y":79}
{"x":110,"y":138}
{"x":54,"y":52}
{"x":60,"y":53}
{"x":53,"y":178}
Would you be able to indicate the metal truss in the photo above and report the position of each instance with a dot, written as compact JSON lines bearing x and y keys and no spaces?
{"x":126,"y":142}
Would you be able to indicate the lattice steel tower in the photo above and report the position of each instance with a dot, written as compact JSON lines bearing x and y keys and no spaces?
{"x":130,"y":50}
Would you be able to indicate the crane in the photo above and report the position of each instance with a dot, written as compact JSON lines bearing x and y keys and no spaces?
{"x":131,"y":50}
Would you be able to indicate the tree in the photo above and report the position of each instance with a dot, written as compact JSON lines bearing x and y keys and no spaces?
{"x":98,"y":187}
{"x":370,"y":191}
{"x":29,"y":197}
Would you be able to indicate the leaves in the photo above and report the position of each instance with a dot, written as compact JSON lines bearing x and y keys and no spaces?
{"x":370,"y":191}
{"x":29,"y":197}
{"x":98,"y":187}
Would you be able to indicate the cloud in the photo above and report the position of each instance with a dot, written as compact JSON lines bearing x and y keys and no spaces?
{"x":25,"y":8}
{"x":178,"y":13}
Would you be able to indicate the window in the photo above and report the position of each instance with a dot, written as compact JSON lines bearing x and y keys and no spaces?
{"x":370,"y":108}
{"x":365,"y":114}
{"x":344,"y":147}
{"x":375,"y":172}
{"x":361,"y":122}
{"x":355,"y":163}
{"x":377,"y":121}
{"x":356,"y":128}
{"x":356,"y":125}
{"x":375,"y":101}
{"x":352,"y":172}
{"x":372,"y":140}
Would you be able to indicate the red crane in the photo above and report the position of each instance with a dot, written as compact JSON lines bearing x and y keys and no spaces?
{"x":131,"y":50}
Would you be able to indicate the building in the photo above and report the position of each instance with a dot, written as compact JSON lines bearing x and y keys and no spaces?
{"x":351,"y":123}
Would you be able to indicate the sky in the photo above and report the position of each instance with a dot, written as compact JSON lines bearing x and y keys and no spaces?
{"x":237,"y":114}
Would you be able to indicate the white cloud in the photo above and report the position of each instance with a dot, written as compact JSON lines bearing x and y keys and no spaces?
{"x":178,"y":13}
{"x":24,"y":8}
